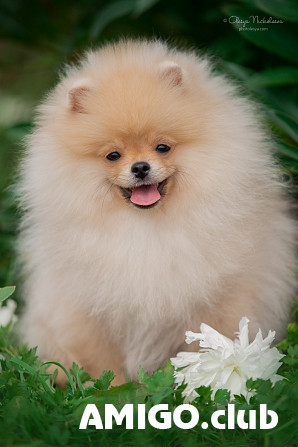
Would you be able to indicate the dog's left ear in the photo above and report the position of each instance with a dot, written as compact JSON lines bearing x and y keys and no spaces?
{"x":171,"y":72}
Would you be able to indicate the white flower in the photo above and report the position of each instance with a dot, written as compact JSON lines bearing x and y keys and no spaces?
{"x":7,"y":312}
{"x":227,"y":364}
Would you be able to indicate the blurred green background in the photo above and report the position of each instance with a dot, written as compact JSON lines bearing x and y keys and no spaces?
{"x":38,"y":36}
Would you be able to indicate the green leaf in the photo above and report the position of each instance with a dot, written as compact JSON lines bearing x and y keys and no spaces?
{"x":205,"y":392}
{"x":6,"y":292}
{"x":291,"y":166}
{"x":23,"y":365}
{"x":162,"y":394}
{"x":141,"y":375}
{"x":105,"y":380}
{"x":278,"y":38}
{"x":240,"y":399}
{"x":274,"y":77}
{"x":70,"y":380}
{"x":222,"y":396}
{"x":112,"y":11}
{"x":293,"y":332}
{"x":81,"y":376}
{"x":277,"y":98}
{"x":163,"y":377}
{"x":288,"y":151}
{"x":284,"y":122}
{"x":17,"y":131}
{"x":284,"y":9}
{"x":32,"y":371}
{"x":143,"y":5}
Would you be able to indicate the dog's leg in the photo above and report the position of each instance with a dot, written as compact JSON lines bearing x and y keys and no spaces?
{"x":76,"y":337}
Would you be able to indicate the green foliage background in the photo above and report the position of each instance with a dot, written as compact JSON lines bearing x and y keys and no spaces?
{"x":36,"y":38}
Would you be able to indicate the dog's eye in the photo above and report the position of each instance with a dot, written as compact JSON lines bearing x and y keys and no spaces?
{"x":162,"y":148}
{"x":113,"y":156}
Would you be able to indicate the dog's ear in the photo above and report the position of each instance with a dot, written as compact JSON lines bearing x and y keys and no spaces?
{"x":171,"y":72}
{"x":76,"y":95}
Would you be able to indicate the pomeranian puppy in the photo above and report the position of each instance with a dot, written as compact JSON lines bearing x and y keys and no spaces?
{"x":152,"y":204}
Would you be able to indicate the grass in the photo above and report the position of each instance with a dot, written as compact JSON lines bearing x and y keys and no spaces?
{"x":35,"y":413}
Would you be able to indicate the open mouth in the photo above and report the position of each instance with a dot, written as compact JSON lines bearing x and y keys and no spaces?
{"x":145,"y":196}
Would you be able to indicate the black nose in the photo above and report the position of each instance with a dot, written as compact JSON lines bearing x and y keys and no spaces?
{"x":140,"y":169}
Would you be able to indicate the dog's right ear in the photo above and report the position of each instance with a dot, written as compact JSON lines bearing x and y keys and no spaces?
{"x":77,"y":94}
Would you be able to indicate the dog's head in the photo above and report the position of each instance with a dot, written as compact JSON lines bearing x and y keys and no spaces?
{"x":140,"y":120}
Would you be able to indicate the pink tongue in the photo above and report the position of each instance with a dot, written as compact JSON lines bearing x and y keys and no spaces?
{"x":145,"y":195}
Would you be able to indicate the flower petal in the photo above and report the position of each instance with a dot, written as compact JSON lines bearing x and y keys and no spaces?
{"x":227,"y":364}
{"x":192,"y":336}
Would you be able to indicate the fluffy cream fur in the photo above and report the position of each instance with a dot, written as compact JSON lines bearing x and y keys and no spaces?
{"x":111,"y":286}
